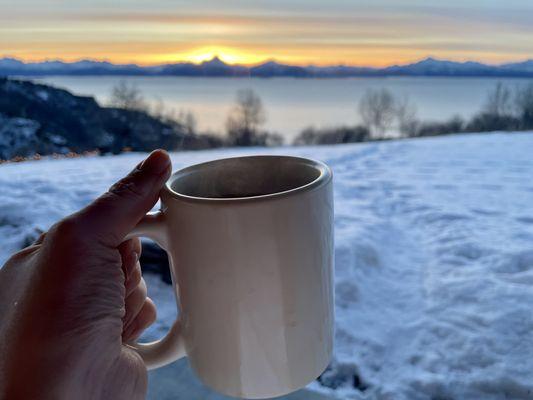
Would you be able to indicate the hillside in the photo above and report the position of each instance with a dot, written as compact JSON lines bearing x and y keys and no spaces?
{"x":434,"y":259}
{"x":36,"y":118}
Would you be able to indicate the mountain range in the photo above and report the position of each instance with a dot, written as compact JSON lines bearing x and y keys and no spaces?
{"x":216,"y":67}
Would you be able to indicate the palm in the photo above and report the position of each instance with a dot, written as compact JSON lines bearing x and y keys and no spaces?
{"x":70,"y":301}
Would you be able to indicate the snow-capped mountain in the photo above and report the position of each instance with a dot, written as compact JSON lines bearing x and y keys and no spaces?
{"x":431,"y":66}
{"x":217,"y":67}
{"x":520,"y":66}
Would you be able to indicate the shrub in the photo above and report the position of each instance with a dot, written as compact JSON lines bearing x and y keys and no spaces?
{"x":453,"y":125}
{"x":343,"y":134}
{"x":524,"y":105}
{"x":484,"y":122}
{"x":128,"y":97}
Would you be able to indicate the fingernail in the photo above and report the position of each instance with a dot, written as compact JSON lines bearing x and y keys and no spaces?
{"x":156,"y":163}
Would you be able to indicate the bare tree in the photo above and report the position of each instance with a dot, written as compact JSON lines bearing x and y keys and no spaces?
{"x":159,"y":109}
{"x":524,"y":105}
{"x":127,"y":96}
{"x":377,"y":109}
{"x":245,"y":118}
{"x":184,"y":118}
{"x":498,"y":102}
{"x":406,"y":116}
{"x":187,"y":119}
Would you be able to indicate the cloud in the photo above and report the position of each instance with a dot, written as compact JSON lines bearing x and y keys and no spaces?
{"x":350,"y":31}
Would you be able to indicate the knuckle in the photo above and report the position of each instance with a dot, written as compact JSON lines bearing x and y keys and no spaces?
{"x":137,"y":245}
{"x":149,"y":313}
{"x":19,"y":257}
{"x":41,"y":238}
{"x":127,"y":187}
{"x":135,"y":277}
{"x":137,"y":297}
{"x":142,"y":288}
{"x":67,"y":228}
{"x":138,"y":294}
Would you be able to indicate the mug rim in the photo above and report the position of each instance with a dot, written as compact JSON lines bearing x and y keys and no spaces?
{"x":324,"y":177}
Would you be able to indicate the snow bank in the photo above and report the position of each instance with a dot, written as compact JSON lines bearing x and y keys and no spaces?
{"x":434,"y":258}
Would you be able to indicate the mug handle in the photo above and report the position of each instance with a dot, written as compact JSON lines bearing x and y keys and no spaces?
{"x":172,"y":346}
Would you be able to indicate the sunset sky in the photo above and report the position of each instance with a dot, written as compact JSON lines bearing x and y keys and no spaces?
{"x":374,"y":33}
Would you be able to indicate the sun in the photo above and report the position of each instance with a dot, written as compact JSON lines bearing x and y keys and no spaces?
{"x":226,"y":54}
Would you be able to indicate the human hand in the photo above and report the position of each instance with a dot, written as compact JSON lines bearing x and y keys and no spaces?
{"x":69,"y":302}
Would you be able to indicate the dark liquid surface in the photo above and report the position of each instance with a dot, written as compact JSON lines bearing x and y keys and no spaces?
{"x":244,"y":177}
{"x":237,"y":195}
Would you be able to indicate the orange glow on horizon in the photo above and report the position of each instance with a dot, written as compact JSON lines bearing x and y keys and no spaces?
{"x":319,"y":33}
{"x":202,"y":54}
{"x":377,"y":57}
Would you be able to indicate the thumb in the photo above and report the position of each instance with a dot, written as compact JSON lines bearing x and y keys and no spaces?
{"x":114,"y":214}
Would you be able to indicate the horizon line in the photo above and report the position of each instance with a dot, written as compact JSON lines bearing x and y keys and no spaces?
{"x":264,"y":61}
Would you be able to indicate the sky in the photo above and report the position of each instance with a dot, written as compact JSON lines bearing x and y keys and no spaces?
{"x":322,"y":32}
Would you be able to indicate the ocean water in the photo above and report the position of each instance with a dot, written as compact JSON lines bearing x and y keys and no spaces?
{"x":292,"y":104}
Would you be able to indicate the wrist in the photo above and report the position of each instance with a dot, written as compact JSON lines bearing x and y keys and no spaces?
{"x":24,"y":385}
{"x":32,"y":374}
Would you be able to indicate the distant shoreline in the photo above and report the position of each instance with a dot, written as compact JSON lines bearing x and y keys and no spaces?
{"x":271,"y":77}
{"x":428,"y":67}
{"x":238,"y":77}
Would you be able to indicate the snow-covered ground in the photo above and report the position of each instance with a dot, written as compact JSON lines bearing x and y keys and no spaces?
{"x":434,"y":258}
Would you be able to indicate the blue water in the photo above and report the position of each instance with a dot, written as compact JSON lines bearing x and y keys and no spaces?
{"x":292,"y":104}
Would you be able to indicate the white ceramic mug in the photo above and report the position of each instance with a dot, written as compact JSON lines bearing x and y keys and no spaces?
{"x":250,"y":244}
